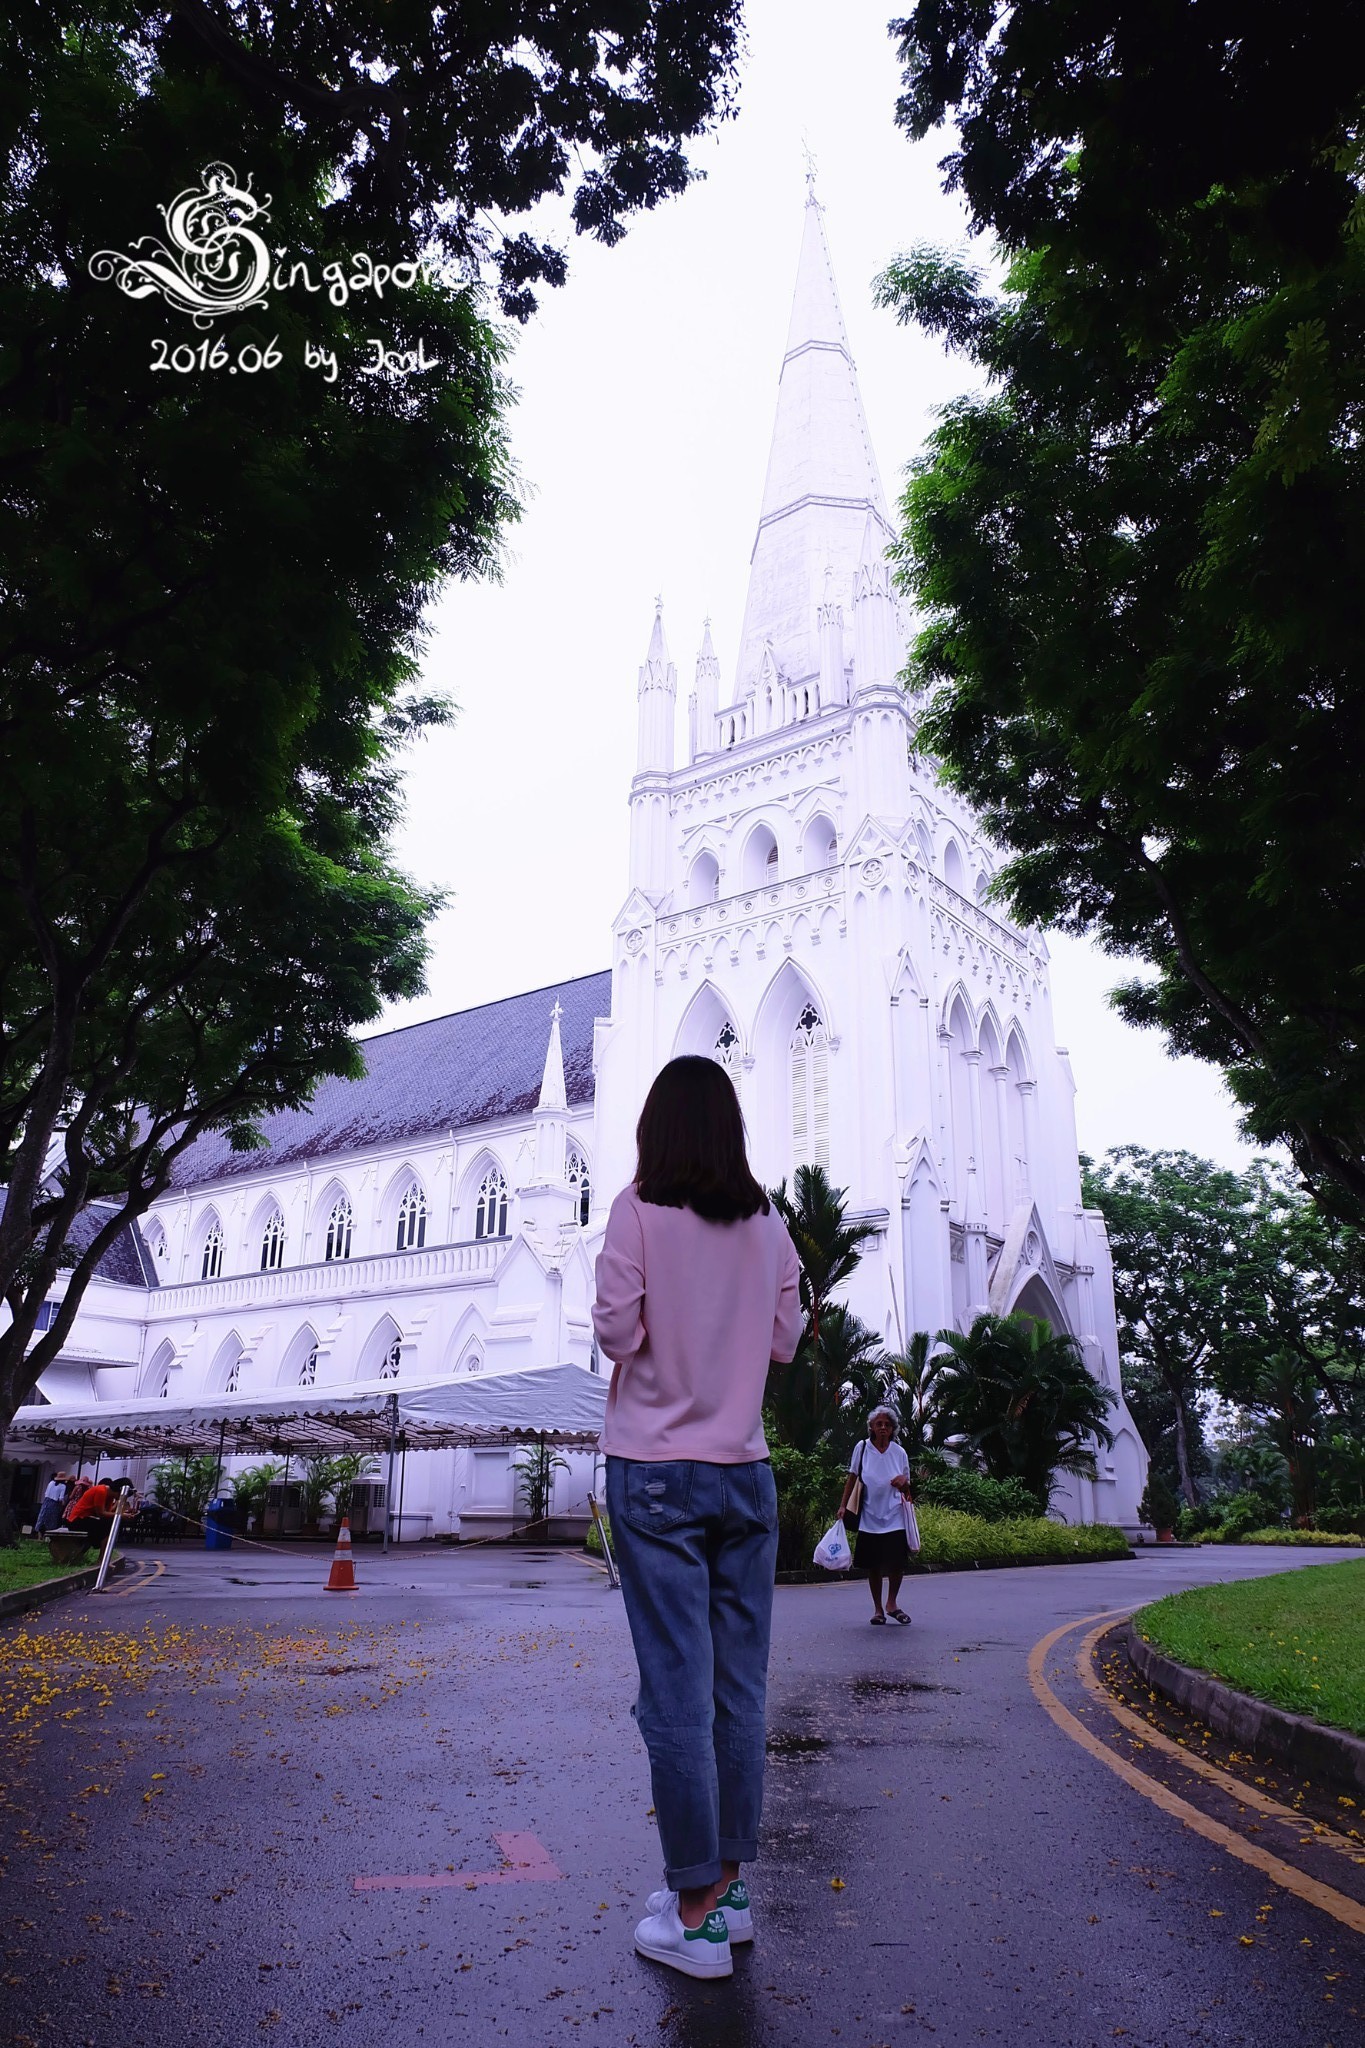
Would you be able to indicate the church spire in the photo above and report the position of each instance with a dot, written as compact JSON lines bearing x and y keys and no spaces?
{"x":658,"y":692}
{"x":705,"y":701}
{"x":822,"y":484}
{"x":552,"y":1093}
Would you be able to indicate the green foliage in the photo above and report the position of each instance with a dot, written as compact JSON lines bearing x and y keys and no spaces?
{"x":809,"y":1484}
{"x":249,"y":1488}
{"x":1023,"y":1399}
{"x":536,"y":1467}
{"x":1295,"y":1638}
{"x":215,"y":584}
{"x":1138,"y":545}
{"x":184,"y":1485}
{"x":347,"y":1467}
{"x":952,"y":1539}
{"x":1323,"y":1539}
{"x":821,"y":1401}
{"x":592,"y":1542}
{"x":319,"y":1482}
{"x":829,"y":1248}
{"x":972,"y":1493}
{"x":1158,"y":1507}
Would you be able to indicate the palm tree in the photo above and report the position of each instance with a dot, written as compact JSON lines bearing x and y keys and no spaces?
{"x":911,"y":1385}
{"x":1024,"y":1400}
{"x":827,"y":1247}
{"x":823,"y":1398}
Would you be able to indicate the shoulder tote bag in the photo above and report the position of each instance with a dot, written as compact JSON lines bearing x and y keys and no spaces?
{"x":857,"y":1490}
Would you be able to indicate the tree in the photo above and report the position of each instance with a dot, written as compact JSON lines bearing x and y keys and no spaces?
{"x":1024,"y":1400}
{"x":213,"y":584}
{"x":536,"y":1468}
{"x":1184,"y":1293}
{"x":1140,"y":552}
{"x":347,"y":1467}
{"x":837,"y":1371}
{"x":821,"y":1401}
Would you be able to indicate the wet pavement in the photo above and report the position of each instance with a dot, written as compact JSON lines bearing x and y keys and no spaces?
{"x":237,"y":1808}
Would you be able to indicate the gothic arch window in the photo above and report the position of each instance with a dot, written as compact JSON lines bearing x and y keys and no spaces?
{"x":338,"y":1245}
{"x":163,"y":1392}
{"x":412,"y":1221}
{"x":154,"y":1237}
{"x":490,"y":1217}
{"x":576,"y":1172}
{"x":770,"y":864}
{"x":308,"y":1369}
{"x":810,"y":1090}
{"x":211,"y":1258}
{"x":703,"y":880}
{"x":272,"y":1243}
{"x":954,"y":871}
{"x":726,"y":1049}
{"x":232,"y":1384}
{"x":393,"y":1360}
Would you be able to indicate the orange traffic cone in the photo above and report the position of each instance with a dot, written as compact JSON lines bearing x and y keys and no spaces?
{"x":341,"y":1578}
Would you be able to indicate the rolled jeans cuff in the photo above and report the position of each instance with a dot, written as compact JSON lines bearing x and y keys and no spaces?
{"x":695,"y":1877}
{"x":738,"y":1848}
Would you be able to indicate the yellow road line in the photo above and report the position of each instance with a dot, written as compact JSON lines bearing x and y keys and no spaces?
{"x":1227,"y":1781}
{"x":148,"y":1571}
{"x":1327,"y":1900}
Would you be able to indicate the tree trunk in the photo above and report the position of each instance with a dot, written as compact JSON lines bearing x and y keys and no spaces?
{"x":1182,"y":1454}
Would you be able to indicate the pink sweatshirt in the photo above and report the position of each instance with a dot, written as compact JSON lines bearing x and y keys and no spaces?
{"x":692,"y":1312}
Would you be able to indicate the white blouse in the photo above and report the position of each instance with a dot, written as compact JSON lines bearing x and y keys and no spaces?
{"x":881,"y":1512}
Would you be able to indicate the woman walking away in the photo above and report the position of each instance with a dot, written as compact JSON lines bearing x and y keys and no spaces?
{"x":696,"y":1294}
{"x":883,"y":1548}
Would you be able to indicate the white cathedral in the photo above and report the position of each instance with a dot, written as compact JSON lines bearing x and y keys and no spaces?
{"x":805,"y":903}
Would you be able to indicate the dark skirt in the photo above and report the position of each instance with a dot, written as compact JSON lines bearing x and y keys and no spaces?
{"x":881,"y":1555}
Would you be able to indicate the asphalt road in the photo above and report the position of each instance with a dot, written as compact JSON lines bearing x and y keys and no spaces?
{"x":205,"y":1774}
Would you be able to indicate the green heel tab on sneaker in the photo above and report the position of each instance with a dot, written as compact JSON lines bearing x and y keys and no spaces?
{"x":713,"y":1928}
{"x":736,"y":1894}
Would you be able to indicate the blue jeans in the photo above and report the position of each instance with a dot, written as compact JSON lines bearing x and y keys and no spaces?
{"x":696,"y":1545}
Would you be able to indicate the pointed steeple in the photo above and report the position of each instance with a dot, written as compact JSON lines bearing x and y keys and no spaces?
{"x":658,"y":690}
{"x":822,"y":484}
{"x":705,"y":700}
{"x":552,"y":1093}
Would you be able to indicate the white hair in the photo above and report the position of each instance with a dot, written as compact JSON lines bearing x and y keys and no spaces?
{"x":889,"y":1413}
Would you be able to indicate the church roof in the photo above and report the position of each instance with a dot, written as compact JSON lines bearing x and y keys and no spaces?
{"x":468,"y":1068}
{"x":127,"y":1260}
{"x":822,"y":482}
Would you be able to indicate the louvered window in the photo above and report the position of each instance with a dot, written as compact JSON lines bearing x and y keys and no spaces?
{"x":490,"y":1218}
{"x":272,"y":1244}
{"x":211,"y":1264}
{"x":412,"y":1220}
{"x":810,"y":1090}
{"x":338,"y":1244}
{"x":578,"y":1178}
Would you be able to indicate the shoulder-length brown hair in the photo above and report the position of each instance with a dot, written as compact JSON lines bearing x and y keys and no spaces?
{"x":691,"y":1144}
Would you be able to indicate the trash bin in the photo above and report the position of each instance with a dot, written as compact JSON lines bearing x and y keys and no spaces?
{"x":218,"y":1523}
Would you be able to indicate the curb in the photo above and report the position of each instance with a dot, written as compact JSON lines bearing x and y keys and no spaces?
{"x":1328,"y":1756}
{"x":44,"y":1591}
{"x":926,"y":1571}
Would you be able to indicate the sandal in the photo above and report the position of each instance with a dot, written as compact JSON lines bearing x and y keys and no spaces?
{"x":897,"y":1614}
{"x":879,"y":1621}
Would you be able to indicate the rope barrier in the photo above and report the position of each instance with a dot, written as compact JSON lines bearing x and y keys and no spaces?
{"x":277,"y":1550}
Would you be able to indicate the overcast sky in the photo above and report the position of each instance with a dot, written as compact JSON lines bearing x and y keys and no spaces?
{"x":647,"y":388}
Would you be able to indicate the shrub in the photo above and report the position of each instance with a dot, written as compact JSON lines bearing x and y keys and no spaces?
{"x":809,"y":1484}
{"x":950,"y":1538}
{"x":972,"y":1493}
{"x":1279,"y":1534}
{"x":592,"y":1542}
{"x":1158,"y":1507}
{"x":1340,"y":1521}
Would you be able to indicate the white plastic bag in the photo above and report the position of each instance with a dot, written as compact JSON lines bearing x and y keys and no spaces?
{"x":911,"y":1524}
{"x":832,"y":1553}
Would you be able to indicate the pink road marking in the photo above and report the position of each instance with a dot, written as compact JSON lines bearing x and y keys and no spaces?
{"x":527,"y":1862}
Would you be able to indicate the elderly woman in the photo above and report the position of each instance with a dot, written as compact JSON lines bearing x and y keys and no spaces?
{"x":882,"y":1549}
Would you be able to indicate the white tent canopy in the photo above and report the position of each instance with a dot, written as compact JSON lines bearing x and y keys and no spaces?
{"x":557,"y":1404}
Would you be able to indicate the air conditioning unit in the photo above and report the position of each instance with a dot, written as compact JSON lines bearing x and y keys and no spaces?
{"x":282,"y":1514}
{"x":369,"y":1504}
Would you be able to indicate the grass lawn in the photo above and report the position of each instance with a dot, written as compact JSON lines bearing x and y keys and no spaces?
{"x":28,"y":1563}
{"x":1296,"y":1640}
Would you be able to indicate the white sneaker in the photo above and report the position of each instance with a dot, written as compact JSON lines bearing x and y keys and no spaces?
{"x":734,"y":1903}
{"x":697,"y":1951}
